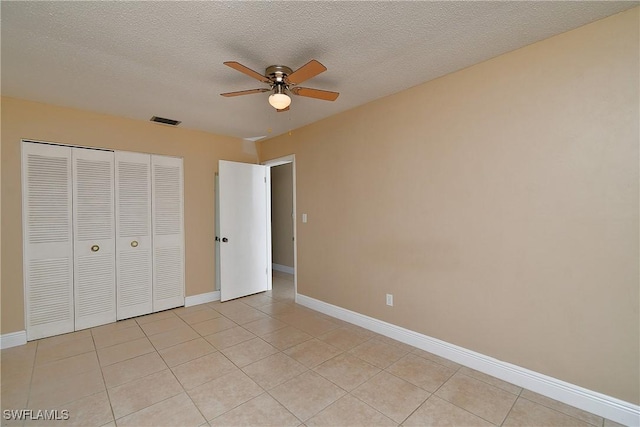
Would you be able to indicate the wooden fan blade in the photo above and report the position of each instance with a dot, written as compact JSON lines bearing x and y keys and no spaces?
{"x":283,"y":109}
{"x":308,"y":70}
{"x":246,"y":70}
{"x":245,"y":92}
{"x":315,"y":93}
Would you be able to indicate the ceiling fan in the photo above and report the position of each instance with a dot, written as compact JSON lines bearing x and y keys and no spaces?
{"x":283,"y":80}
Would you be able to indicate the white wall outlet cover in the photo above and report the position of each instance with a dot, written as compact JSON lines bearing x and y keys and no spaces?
{"x":304,"y":217}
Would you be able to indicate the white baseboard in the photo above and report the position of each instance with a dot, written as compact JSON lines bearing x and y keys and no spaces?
{"x":282,"y":268}
{"x":13,"y":339}
{"x":202,"y":298}
{"x":597,"y":403}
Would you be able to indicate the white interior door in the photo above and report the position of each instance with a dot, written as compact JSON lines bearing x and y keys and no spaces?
{"x":168,"y":232}
{"x":243,"y":229}
{"x":133,"y":234}
{"x":217,"y":231}
{"x":48,"y":239}
{"x":94,"y":238}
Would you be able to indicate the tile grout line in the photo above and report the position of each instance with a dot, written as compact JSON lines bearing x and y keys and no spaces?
{"x":163,"y":361}
{"x":279,"y":351}
{"x":135,"y":357}
{"x":511,"y":409}
{"x":106,"y":389}
{"x":238,"y":405}
{"x":481,"y":417}
{"x":492,"y":385}
{"x":402,"y":379}
{"x":430,"y":393}
{"x":451,"y":403}
{"x":128,"y":358}
{"x":184,"y":390}
{"x":307,"y":369}
{"x":415,"y":410}
{"x":295,"y":416}
{"x":376,"y":409}
{"x":285,"y":408}
{"x":562,"y":412}
{"x":33,"y":370}
{"x":160,"y":401}
{"x":264,"y":391}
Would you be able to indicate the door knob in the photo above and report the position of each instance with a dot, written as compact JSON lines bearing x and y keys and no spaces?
{"x":134,"y":244}
{"x":224,"y":239}
{"x":95,"y":248}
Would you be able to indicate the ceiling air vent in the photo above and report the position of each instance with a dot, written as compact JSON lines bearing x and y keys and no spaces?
{"x":162,"y":120}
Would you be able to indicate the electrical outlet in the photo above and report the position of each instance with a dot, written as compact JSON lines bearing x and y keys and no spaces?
{"x":390,"y":299}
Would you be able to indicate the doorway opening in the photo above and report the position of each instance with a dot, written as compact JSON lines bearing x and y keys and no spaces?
{"x":281,"y":197}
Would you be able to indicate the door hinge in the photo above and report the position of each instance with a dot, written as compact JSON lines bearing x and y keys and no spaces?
{"x":265,"y":179}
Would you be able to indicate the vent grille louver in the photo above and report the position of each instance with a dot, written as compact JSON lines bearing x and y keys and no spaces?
{"x":165,"y":121}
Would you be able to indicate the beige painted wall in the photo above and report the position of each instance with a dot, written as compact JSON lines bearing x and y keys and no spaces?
{"x":499,"y":204}
{"x":201,"y":152}
{"x":281,"y":220}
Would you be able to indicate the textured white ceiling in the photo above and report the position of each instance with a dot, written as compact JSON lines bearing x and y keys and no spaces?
{"x":139,"y":59}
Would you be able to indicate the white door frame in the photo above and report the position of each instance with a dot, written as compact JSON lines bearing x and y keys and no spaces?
{"x":271,"y":163}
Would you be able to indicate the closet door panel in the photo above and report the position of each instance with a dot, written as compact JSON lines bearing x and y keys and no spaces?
{"x":168,"y":232}
{"x":133,"y":234}
{"x":48,"y":239}
{"x":94,"y":237}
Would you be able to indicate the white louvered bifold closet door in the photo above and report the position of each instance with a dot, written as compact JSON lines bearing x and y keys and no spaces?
{"x":133,"y":234}
{"x":48,"y":239}
{"x":168,"y":232}
{"x":94,"y":238}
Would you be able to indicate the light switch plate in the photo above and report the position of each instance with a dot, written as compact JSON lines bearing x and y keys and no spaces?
{"x":304,"y":218}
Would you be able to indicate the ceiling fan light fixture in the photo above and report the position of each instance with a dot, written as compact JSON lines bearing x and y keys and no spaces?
{"x":279,"y":101}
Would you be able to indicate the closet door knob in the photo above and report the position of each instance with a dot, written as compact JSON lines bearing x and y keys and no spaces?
{"x":95,"y":248}
{"x":134,"y":244}
{"x":224,"y":239}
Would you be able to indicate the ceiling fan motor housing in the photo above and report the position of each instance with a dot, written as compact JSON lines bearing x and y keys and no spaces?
{"x":277,"y":73}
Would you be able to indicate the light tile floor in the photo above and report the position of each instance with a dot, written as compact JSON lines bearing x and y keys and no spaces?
{"x":259,"y":360}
